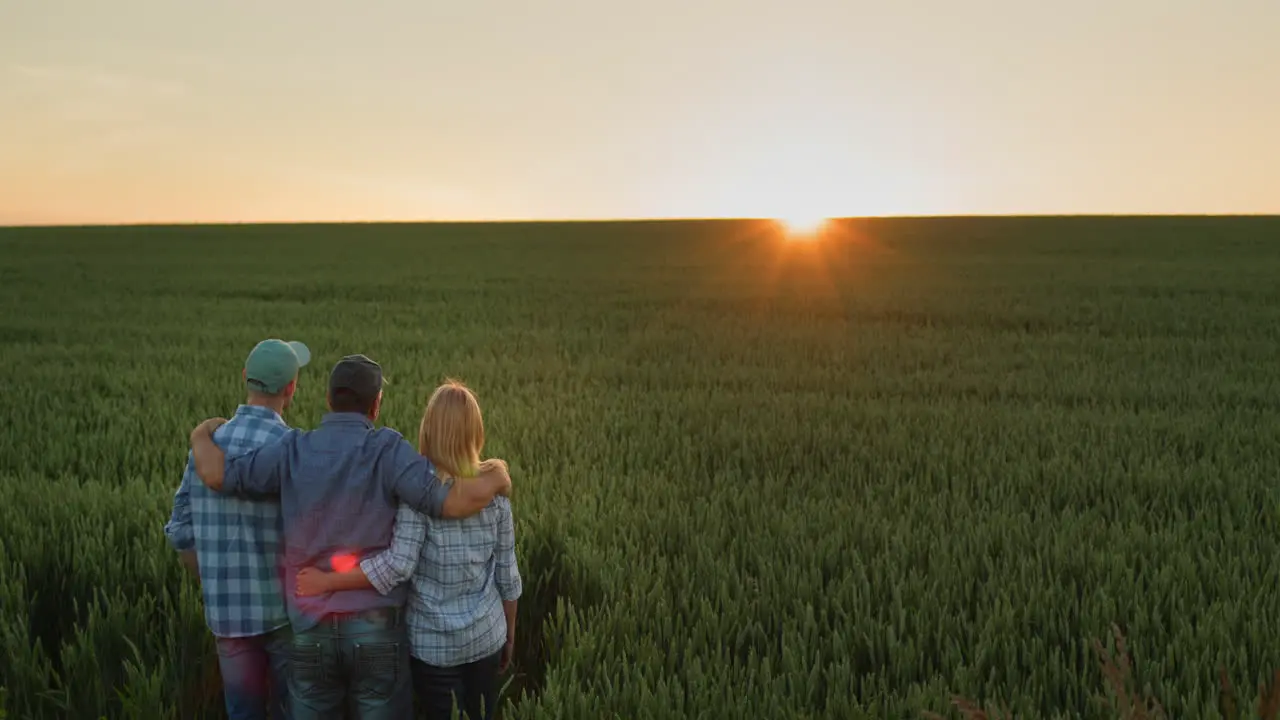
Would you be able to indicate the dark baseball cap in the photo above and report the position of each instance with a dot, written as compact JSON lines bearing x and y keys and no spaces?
{"x":358,"y":375}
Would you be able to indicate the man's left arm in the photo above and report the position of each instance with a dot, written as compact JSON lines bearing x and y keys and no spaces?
{"x":178,"y":530}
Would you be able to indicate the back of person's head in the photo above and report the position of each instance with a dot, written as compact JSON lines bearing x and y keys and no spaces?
{"x":451,"y":435}
{"x":271,"y":371}
{"x":346,"y":401}
{"x":355,"y":386}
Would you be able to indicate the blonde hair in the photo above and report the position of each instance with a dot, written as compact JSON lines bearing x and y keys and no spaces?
{"x":451,"y":435}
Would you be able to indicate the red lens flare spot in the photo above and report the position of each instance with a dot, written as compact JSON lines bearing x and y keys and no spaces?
{"x":343,"y":562}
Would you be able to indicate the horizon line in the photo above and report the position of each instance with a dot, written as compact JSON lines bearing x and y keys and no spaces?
{"x":627,"y":220}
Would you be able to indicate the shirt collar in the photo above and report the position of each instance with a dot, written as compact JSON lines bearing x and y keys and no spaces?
{"x":346,"y":418}
{"x":258,"y":411}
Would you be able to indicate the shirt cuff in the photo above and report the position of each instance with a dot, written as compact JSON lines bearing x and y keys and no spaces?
{"x":380,"y":576}
{"x":510,"y":591}
{"x":181,"y":539}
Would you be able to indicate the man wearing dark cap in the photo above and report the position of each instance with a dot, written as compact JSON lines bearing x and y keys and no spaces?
{"x":235,"y":545}
{"x":339,"y":487}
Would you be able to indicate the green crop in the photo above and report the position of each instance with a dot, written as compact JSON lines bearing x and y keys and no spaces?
{"x":857,"y":478}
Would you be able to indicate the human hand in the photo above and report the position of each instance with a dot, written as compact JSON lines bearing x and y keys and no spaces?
{"x":493,"y":464}
{"x":499,"y":470}
{"x":312,"y":582}
{"x":207,"y":427}
{"x":508,"y":653}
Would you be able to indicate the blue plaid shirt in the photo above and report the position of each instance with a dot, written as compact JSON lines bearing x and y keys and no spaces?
{"x":238,"y":543}
{"x":461,"y":570}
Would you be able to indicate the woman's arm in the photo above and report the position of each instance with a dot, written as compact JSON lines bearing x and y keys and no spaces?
{"x":383,"y":571}
{"x":507,"y":575}
{"x":318,"y":582}
{"x":504,"y":554}
{"x":508,"y":608}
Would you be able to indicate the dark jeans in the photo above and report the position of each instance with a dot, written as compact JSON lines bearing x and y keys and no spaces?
{"x":254,"y":675}
{"x":352,"y":665}
{"x":473,"y":687}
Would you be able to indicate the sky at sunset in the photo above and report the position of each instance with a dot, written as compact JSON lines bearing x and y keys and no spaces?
{"x":283,"y":110}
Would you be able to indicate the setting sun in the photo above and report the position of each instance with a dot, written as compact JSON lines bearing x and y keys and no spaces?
{"x":803,"y":226}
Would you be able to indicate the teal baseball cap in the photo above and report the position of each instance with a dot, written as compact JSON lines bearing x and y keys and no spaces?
{"x":273,"y":363}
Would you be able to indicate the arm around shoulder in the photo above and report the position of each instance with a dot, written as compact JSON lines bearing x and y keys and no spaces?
{"x":207,"y":457}
{"x":416,"y":484}
{"x":470,"y":496}
{"x":254,"y":474}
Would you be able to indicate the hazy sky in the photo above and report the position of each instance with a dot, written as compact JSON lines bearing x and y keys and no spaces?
{"x":239,"y":110}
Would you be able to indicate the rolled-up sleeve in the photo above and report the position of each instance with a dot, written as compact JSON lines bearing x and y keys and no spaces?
{"x":396,"y":564}
{"x":507,"y":573}
{"x":178,"y":530}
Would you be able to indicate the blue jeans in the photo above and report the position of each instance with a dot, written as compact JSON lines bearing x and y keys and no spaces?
{"x":356,"y":662}
{"x":254,"y":675}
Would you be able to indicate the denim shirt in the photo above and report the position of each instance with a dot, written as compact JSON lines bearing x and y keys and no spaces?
{"x":339,"y":487}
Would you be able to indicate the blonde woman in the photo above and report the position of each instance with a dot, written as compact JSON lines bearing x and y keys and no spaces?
{"x":461,"y":612}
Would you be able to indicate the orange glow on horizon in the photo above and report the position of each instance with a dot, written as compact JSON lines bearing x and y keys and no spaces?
{"x":803,"y":227}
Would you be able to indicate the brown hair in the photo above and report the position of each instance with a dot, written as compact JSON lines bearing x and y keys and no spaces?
{"x":451,"y":435}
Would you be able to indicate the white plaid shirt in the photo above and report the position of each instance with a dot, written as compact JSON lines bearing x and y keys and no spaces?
{"x":238,"y":543}
{"x":461,"y":571}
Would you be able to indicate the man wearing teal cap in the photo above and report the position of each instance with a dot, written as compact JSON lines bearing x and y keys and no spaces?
{"x":235,"y":544}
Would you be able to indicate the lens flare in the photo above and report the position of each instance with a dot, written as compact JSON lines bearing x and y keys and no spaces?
{"x":343,"y":562}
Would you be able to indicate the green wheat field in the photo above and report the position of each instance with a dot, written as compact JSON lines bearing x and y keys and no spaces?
{"x":920,"y":459}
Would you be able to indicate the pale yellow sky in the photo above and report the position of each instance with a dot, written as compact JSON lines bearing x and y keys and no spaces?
{"x":240,"y":110}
